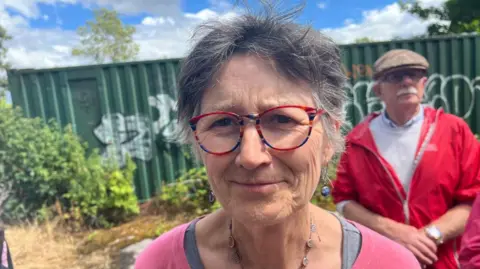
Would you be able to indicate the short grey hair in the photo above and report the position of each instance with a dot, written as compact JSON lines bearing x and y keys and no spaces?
{"x":299,"y":53}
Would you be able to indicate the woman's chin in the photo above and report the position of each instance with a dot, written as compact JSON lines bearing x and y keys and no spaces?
{"x":267,"y":213}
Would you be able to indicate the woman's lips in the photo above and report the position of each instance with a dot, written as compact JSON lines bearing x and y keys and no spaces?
{"x":258,"y":187}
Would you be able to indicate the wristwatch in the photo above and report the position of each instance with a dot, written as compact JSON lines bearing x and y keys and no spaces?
{"x":434,"y":234}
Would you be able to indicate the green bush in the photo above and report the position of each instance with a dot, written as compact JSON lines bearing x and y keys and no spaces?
{"x":50,"y":173}
{"x":189,"y":194}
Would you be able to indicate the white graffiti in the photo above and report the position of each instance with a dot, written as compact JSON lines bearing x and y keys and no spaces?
{"x":359,"y":94}
{"x":448,"y":92}
{"x":167,"y":108}
{"x":125,"y":135}
{"x":460,"y":87}
{"x":135,"y":134}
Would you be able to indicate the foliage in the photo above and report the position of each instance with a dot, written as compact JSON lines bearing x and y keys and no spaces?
{"x":3,"y":52}
{"x":364,"y":40}
{"x":51,"y":174}
{"x":106,"y":38}
{"x":453,"y":16}
{"x":189,"y":193}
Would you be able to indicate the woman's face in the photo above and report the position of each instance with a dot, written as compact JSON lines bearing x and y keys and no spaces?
{"x":255,"y":182}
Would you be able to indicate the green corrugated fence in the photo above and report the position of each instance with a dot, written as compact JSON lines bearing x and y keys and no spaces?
{"x":130,"y":107}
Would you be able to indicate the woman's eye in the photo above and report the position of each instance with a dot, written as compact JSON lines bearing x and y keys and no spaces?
{"x":222,"y":122}
{"x":282,"y":119}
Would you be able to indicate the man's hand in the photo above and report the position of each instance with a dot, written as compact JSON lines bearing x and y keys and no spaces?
{"x":416,"y":241}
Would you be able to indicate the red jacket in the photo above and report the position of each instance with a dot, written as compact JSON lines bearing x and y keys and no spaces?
{"x":447,"y":174}
{"x":470,"y":251}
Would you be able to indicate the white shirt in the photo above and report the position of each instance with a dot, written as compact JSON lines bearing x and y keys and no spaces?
{"x":397,"y":145}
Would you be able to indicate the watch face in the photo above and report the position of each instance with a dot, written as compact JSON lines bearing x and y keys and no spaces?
{"x":434,"y":232}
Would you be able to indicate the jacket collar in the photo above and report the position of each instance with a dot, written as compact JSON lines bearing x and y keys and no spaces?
{"x":417,"y":118}
{"x":361,"y":134}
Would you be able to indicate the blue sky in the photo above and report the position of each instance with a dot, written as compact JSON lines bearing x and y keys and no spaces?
{"x":322,"y":14}
{"x":44,"y":30}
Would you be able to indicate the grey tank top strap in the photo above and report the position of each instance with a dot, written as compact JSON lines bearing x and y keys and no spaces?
{"x":351,"y":244}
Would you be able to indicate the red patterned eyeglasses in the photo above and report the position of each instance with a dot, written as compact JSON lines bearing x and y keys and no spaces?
{"x":281,"y":128}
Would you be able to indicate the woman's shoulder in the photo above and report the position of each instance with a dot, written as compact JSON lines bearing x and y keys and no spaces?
{"x":165,"y":252}
{"x":380,"y":252}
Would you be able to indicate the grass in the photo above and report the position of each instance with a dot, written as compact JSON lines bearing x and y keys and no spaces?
{"x":45,"y":247}
{"x":127,"y":234}
{"x":48,"y":246}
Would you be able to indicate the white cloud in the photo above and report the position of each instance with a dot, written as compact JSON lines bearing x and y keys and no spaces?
{"x":151,"y":21}
{"x":207,"y":14}
{"x":29,"y":8}
{"x":130,"y":7}
{"x":432,"y":3}
{"x":30,"y":49}
{"x":10,"y":22}
{"x":45,"y":17}
{"x":204,"y":14}
{"x":381,"y":24}
{"x":158,"y":37}
{"x":322,"y":5}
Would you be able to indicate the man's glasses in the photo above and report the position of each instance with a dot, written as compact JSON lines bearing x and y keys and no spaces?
{"x":399,"y":76}
{"x":281,"y":128}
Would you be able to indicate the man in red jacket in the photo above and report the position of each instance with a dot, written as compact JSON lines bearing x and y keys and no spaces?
{"x":470,"y":252}
{"x":410,"y":172}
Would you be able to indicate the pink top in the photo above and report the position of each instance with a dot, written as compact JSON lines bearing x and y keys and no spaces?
{"x":470,"y":251}
{"x":167,"y":252}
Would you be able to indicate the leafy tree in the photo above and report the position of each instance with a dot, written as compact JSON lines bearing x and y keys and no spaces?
{"x":463,"y":15}
{"x":364,"y":40}
{"x":106,"y":38}
{"x":3,"y":52}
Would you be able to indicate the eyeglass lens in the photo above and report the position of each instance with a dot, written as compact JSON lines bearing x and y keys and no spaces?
{"x":398,"y":76}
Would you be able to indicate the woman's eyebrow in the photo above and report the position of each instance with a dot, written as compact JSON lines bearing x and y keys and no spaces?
{"x":219,"y":107}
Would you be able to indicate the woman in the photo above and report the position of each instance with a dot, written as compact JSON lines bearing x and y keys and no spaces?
{"x":262,"y":101}
{"x":469,"y":256}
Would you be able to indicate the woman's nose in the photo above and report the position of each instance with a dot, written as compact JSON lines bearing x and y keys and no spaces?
{"x":253,"y":151}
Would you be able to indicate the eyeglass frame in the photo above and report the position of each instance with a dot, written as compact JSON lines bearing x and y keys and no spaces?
{"x":407,"y":72}
{"x":311,"y":112}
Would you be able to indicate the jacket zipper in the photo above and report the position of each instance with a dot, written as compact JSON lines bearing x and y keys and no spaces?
{"x":418,"y":158}
{"x":405,"y":209}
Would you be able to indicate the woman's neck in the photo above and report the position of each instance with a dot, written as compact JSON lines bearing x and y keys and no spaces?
{"x":279,"y":246}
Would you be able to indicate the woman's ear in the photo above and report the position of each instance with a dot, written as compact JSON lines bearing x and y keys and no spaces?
{"x":327,"y":154}
{"x":329,"y":149}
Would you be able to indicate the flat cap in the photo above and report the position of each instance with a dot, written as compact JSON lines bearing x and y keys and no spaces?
{"x":399,"y":59}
